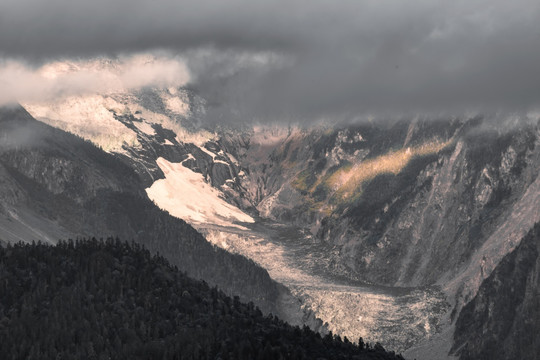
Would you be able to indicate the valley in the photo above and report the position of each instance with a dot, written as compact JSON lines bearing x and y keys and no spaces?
{"x":263,"y":180}
{"x":382,"y":231}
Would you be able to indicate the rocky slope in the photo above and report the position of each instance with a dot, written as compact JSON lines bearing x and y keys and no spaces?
{"x":421,"y":195}
{"x":408,"y":193}
{"x":503,"y":319}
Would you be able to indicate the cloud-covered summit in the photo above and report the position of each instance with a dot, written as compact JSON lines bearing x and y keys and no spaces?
{"x":305,"y":58}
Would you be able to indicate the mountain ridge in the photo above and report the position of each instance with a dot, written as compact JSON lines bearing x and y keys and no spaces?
{"x":67,"y":187}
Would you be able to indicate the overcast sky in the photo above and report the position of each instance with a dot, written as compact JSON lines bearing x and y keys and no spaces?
{"x":304,"y":58}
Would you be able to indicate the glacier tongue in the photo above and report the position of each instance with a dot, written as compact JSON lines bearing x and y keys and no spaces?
{"x":398,"y":318}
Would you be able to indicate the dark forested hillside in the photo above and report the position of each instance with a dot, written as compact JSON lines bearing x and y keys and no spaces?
{"x":110,"y":299}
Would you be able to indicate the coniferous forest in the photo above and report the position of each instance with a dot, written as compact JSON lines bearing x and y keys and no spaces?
{"x":95,"y":299}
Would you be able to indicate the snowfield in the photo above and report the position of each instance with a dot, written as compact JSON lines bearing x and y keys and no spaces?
{"x":185,"y":194}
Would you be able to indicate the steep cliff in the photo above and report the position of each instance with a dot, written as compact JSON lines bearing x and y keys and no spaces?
{"x":503,"y":319}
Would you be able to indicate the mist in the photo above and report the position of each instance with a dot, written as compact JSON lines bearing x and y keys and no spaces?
{"x":22,"y":82}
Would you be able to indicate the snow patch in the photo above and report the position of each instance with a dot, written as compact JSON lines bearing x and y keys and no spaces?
{"x":145,"y":128}
{"x":220,"y":162}
{"x":189,"y":157}
{"x":198,"y":138}
{"x":205,"y":150}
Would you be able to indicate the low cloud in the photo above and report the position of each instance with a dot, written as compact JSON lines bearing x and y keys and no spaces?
{"x":21,"y":82}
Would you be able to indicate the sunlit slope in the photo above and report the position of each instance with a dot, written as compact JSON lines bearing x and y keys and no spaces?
{"x":344,"y":184}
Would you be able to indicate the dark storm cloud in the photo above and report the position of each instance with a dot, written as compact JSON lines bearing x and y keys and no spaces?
{"x":305,"y":58}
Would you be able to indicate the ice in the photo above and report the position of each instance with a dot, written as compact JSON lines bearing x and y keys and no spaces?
{"x":397,"y":318}
{"x":185,"y":194}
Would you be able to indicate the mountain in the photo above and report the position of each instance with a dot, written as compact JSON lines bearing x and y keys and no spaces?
{"x":404,"y":218}
{"x":210,"y":179}
{"x":57,"y":186}
{"x":101,"y":300}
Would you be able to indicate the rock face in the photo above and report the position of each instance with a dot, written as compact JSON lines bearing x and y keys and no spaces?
{"x":406,"y":205}
{"x":503,"y":320}
{"x":429,"y":218}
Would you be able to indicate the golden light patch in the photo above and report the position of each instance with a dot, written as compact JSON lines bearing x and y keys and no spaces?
{"x":347,"y":182}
